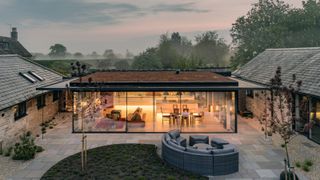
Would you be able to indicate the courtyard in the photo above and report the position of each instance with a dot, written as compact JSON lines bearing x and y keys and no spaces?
{"x":258,"y":159}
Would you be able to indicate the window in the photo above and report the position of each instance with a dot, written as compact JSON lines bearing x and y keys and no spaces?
{"x":41,"y":101}
{"x":28,"y":77}
{"x":56,"y":95}
{"x":36,"y":76}
{"x":4,"y":45}
{"x":20,"y":111}
{"x":249,"y":93}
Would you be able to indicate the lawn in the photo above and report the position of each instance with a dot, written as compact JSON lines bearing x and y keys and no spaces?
{"x":119,"y":161}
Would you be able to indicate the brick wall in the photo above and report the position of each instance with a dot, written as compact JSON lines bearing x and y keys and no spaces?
{"x":11,"y":129}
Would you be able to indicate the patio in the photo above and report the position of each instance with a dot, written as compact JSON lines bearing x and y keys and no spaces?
{"x":258,"y":160}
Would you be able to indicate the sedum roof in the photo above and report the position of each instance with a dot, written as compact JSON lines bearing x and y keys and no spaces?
{"x":303,"y":62}
{"x":155,"y":77}
{"x":14,"y":87}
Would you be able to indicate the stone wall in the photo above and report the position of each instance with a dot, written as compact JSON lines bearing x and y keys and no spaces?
{"x":11,"y":129}
{"x":256,"y":104}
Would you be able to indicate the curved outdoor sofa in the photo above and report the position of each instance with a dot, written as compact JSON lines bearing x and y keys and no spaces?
{"x":205,"y":162}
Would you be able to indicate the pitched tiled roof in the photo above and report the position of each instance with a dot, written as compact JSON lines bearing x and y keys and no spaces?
{"x":14,"y":47}
{"x":303,"y":62}
{"x":15,"y":88}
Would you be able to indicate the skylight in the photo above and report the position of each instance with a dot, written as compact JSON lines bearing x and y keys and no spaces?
{"x":36,"y":75}
{"x":28,"y":77}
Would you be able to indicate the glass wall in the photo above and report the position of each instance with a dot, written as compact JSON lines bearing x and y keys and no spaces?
{"x":99,"y":111}
{"x":140,"y":112}
{"x":167,"y":109}
{"x":315,"y":119}
{"x":154,"y":111}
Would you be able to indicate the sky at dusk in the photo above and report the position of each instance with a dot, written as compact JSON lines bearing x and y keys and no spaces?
{"x":96,"y":25}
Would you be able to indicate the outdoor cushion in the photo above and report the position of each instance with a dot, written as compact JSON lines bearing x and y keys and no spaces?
{"x":198,"y":151}
{"x":222,"y":151}
{"x":229,"y":146}
{"x":168,"y":138}
{"x":176,"y":146}
{"x":182,"y":141}
{"x":194,"y":139}
{"x":174,"y":141}
{"x":218,"y":142}
{"x":174,"y":133}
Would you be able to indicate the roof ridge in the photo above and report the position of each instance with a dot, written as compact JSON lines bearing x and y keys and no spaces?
{"x":291,"y":49}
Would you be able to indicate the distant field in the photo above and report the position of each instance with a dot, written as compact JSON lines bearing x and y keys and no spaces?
{"x":64,"y":67}
{"x":61,"y":66}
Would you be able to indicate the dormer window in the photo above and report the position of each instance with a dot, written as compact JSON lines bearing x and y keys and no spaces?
{"x":4,"y":45}
{"x":36,"y":76}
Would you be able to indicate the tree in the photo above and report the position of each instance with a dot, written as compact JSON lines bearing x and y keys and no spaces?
{"x":109,"y":54}
{"x":129,"y":55}
{"x":94,"y":55}
{"x":273,"y":24}
{"x":122,"y":65}
{"x":170,"y":49}
{"x":148,"y":59}
{"x":280,"y":119}
{"x":58,"y":50}
{"x":211,"y":49}
{"x":188,"y":63}
{"x":78,"y":55}
{"x":104,"y":63}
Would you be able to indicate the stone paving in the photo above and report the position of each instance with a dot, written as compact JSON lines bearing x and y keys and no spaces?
{"x":258,"y":159}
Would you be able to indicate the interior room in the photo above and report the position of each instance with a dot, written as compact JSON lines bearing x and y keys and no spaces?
{"x":154,"y":111}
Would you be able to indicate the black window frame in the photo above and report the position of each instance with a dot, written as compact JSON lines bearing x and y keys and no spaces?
{"x":55,"y":96}
{"x":41,"y":101}
{"x":250,"y":93}
{"x":21,"y":110}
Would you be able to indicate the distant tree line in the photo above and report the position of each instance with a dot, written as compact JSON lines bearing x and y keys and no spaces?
{"x":268,"y":24}
{"x":59,"y":51}
{"x":274,"y":24}
{"x":176,"y":51}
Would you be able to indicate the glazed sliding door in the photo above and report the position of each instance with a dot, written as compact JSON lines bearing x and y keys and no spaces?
{"x":99,"y":112}
{"x":167,"y":111}
{"x":140,"y":111}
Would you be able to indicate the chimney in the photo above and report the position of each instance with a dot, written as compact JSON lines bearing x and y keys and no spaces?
{"x":14,"y":34}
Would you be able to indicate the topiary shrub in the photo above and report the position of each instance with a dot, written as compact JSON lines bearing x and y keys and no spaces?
{"x":25,"y":149}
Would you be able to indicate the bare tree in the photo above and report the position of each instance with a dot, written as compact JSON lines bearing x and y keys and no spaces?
{"x":78,"y":71}
{"x":278,"y":117}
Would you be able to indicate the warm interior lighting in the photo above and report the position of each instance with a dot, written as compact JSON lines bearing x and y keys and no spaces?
{"x":84,"y":104}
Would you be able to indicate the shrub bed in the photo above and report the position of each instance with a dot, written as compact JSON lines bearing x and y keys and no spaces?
{"x":120,"y":161}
